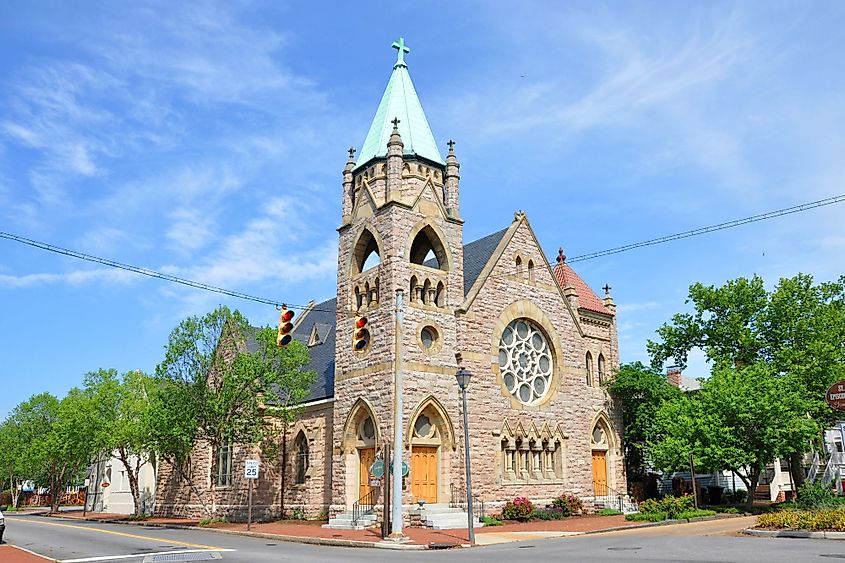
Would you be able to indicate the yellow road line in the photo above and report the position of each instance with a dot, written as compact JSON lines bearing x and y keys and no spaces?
{"x":123,"y":534}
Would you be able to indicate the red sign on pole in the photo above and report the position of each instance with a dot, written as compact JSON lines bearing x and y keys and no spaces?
{"x":835,"y":395}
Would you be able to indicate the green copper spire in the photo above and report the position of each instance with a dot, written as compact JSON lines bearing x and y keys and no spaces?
{"x":400,"y":101}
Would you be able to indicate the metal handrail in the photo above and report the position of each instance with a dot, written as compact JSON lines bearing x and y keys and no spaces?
{"x":363,"y":506}
{"x":602,"y":490}
{"x":459,"y":500}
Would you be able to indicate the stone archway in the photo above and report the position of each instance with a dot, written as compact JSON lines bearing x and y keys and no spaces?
{"x":601,"y":450}
{"x":431,"y":440}
{"x":360,"y":438}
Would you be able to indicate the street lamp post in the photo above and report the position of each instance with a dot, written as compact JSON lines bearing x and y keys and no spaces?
{"x":463,"y":376}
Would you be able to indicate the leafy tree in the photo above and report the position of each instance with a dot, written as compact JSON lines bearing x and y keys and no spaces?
{"x":210,"y":390}
{"x":12,"y":452}
{"x":741,"y":420}
{"x":797,"y":330}
{"x":639,"y":391}
{"x":122,"y":404}
{"x":288,"y":384}
{"x":33,"y":421}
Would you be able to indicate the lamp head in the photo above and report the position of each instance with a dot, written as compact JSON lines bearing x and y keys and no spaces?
{"x":463,"y":376}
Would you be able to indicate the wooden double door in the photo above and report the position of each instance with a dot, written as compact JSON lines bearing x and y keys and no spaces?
{"x":424,"y":473}
{"x":600,"y":473}
{"x":366,"y":456}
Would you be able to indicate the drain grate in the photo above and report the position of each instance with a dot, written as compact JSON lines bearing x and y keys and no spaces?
{"x":623,"y":548}
{"x":833,"y":555}
{"x":179,"y":557}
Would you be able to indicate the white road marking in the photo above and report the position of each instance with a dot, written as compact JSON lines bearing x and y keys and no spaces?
{"x":132,"y":555}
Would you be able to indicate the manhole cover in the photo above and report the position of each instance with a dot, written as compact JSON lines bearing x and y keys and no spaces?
{"x":179,"y":557}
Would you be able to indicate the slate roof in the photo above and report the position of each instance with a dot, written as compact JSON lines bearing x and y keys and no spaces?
{"x":476,"y":255}
{"x":587,"y":299}
{"x":322,"y":354}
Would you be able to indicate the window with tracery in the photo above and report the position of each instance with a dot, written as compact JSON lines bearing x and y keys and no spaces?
{"x":525,"y":361}
{"x":302,"y":461}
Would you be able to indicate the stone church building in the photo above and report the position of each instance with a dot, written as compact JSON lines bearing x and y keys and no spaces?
{"x":538,"y":341}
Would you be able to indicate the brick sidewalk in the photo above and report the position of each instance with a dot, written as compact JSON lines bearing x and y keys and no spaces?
{"x":418,"y":536}
{"x":12,"y":554}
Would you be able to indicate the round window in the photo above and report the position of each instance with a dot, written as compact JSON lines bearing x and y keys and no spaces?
{"x":423,"y":426}
{"x":428,"y":337}
{"x":525,"y":361}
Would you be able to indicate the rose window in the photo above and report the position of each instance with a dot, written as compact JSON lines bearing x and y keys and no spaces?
{"x":525,"y":361}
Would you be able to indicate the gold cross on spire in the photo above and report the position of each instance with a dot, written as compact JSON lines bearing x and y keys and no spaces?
{"x":402,"y":49}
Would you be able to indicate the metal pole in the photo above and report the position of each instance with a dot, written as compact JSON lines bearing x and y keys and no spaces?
{"x":470,"y":527}
{"x":385,"y":528}
{"x":249,"y":512}
{"x":396,"y":517}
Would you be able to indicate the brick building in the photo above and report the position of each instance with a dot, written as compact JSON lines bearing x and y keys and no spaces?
{"x":537,"y":339}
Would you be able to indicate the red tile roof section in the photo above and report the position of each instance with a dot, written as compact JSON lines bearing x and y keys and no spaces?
{"x":587,"y":299}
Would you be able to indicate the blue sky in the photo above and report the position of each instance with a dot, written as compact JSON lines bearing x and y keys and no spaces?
{"x":207,"y":140}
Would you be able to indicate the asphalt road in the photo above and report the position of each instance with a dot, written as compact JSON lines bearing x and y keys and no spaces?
{"x":82,"y":542}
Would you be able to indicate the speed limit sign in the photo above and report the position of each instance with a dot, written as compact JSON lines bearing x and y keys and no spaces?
{"x":251,"y":469}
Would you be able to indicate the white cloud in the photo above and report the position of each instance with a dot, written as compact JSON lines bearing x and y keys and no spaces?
{"x":76,"y":277}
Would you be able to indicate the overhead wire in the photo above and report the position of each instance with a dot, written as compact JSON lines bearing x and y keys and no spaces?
{"x":266,"y":301}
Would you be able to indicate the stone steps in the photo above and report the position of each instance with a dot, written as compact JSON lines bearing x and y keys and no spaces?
{"x":443,"y":517}
{"x":344,"y":522}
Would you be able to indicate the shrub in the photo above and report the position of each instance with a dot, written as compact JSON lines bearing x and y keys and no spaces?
{"x":804,"y":520}
{"x":209,"y":521}
{"x":609,"y":512}
{"x":735,"y":497}
{"x":695,"y":513}
{"x":815,"y":496}
{"x":298,"y":513}
{"x":568,"y":504}
{"x":491,"y":521}
{"x":646,"y":517}
{"x":672,"y":506}
{"x":520,"y":509}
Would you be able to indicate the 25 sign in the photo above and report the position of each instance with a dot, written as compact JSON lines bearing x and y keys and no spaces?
{"x":251,"y":469}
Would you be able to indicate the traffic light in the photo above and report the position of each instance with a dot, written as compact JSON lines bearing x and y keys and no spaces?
{"x":361,"y":336}
{"x":285,"y":327}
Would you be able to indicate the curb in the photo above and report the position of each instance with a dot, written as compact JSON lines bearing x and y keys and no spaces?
{"x":670,"y":523}
{"x":279,"y":537}
{"x":795,"y":534}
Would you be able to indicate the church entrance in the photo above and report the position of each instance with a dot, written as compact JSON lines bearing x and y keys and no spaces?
{"x":424,"y":474}
{"x":367,"y":457}
{"x":599,"y":473}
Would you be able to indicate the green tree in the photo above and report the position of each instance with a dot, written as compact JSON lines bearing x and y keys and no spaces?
{"x":287,"y":384}
{"x":639,"y":391}
{"x":210,"y":390}
{"x":122,"y":404}
{"x":797,"y":330}
{"x":33,"y":421}
{"x":12,"y":452}
{"x":741,"y":420}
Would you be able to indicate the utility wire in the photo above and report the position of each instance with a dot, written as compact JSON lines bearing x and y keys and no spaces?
{"x":240,"y":295}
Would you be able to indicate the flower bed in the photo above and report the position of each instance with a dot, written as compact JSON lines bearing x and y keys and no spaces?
{"x":833,"y":520}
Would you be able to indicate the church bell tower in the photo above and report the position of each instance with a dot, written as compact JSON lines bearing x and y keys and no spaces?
{"x":400,"y":231}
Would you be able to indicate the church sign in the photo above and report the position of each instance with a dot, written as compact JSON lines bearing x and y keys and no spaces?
{"x":835,"y":395}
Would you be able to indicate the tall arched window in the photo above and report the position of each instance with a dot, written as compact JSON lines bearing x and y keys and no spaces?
{"x":301,"y":451}
{"x":531,"y":271}
{"x":589,"y":362}
{"x":602,"y":373}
